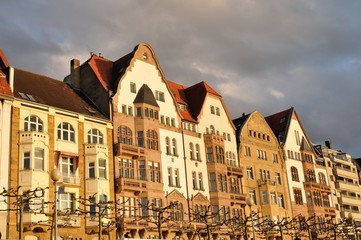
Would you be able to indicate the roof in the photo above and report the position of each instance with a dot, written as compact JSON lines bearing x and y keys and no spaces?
{"x":145,"y":95}
{"x":238,"y":122}
{"x":102,"y":68}
{"x":44,"y":90}
{"x":5,"y":89}
{"x":279,"y":122}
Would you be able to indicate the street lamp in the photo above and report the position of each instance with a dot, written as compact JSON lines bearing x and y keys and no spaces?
{"x":250,"y":203}
{"x":55,"y":175}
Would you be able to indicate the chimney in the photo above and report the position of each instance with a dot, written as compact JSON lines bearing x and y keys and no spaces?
{"x":75,"y":73}
{"x":328,"y":144}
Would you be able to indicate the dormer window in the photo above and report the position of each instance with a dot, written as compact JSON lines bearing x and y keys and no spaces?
{"x":182,"y":107}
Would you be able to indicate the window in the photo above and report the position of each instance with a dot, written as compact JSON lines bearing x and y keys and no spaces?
{"x":310,"y":176}
{"x":124,"y":109}
{"x":91,"y":170}
{"x":66,"y":132}
{"x":124,"y":135}
{"x":167,"y":146}
{"x":172,"y":121}
{"x":212,"y":109}
{"x":140,"y":138}
{"x":130,"y":111}
{"x":212,"y":130}
{"x":139,"y":112}
{"x":247,"y":151}
{"x":233,"y":185}
{"x":142,"y":170}
{"x":152,"y":139}
{"x":298,"y":196}
{"x":264,"y":197}
{"x":67,"y":202}
{"x":103,"y":201}
{"x":67,"y":166}
{"x":200,"y":181}
{"x":281,"y":202}
{"x":194,"y":180}
{"x":326,"y":200}
{"x":159,"y":96}
{"x":212,"y":182}
{"x":154,"y":171}
{"x":252,"y":195}
{"x":102,"y":168}
{"x":317,"y":198}
{"x":198,"y":156}
{"x":95,"y":136}
{"x":250,"y":173}
{"x":39,"y":159}
{"x":92,"y":207}
{"x":297,"y":135}
{"x":162,"y":119}
{"x":273,"y":197}
{"x":210,"y":154}
{"x":294,"y":174}
{"x":26,"y":160}
{"x":174,"y":147}
{"x":217,"y":111}
{"x":176,"y":177}
{"x":222,"y":183}
{"x":133,"y":87}
{"x":322,"y":178}
{"x":261,"y":154}
{"x":33,"y":123}
{"x":126,"y":168}
{"x":275,"y":158}
{"x":219,"y":154}
{"x":191,"y":150}
{"x":278,"y":178}
{"x":231,"y":158}
{"x":170,"y":176}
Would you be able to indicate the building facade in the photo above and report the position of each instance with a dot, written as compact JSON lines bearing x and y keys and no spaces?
{"x":266,"y":180}
{"x":54,"y":128}
{"x":6,"y":99}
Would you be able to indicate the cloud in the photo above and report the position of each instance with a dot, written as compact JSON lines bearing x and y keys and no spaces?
{"x":276,"y":93}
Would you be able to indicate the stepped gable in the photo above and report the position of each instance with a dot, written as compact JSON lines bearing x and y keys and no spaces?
{"x":145,"y":95}
{"x":48,"y":91}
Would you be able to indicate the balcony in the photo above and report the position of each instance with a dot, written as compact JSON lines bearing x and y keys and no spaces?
{"x":340,"y":171}
{"x":93,"y":149}
{"x":70,"y":179}
{"x":330,"y":212}
{"x":238,"y":199}
{"x":267,"y":183}
{"x":352,"y":187}
{"x":317,"y":186}
{"x":128,"y":150}
{"x":30,"y":137}
{"x":135,"y":185}
{"x":213,"y":138}
{"x":235,"y":171}
{"x":349,"y":200}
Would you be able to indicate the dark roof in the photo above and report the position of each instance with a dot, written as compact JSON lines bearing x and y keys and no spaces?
{"x":279,"y":122}
{"x":44,"y":90}
{"x":145,"y":95}
{"x":238,"y":122}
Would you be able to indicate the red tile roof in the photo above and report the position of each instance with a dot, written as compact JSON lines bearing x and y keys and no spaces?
{"x":4,"y":86}
{"x":102,"y":68}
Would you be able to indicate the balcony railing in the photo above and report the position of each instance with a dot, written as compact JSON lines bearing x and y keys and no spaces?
{"x":70,"y":179}
{"x":69,"y":221}
{"x":29,"y":137}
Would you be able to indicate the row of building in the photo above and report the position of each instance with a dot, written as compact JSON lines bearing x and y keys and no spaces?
{"x":122,"y":134}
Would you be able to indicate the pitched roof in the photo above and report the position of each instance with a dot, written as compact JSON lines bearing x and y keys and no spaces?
{"x":238,"y":122}
{"x":102,"y":68}
{"x":279,"y":122}
{"x":44,"y":90}
{"x":5,"y":89}
{"x":145,"y":95}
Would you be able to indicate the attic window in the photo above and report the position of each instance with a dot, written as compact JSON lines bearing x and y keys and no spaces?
{"x":182,"y":107}
{"x":282,"y":120}
{"x":27,"y":96}
{"x":145,"y":56}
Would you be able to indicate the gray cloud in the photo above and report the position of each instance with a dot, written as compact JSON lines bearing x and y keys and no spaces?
{"x":260,"y":55}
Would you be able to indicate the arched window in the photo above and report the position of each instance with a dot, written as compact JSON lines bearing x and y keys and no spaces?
{"x":294,"y":174}
{"x":174,"y":147}
{"x":95,"y":136}
{"x":152,"y":139}
{"x":219,"y":154}
{"x":322,"y":178}
{"x":191,"y":150}
{"x":125,"y":135}
{"x":33,"y":123}
{"x":167,"y":145}
{"x":66,"y":132}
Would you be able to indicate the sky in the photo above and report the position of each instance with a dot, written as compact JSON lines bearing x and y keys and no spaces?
{"x":258,"y":54}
